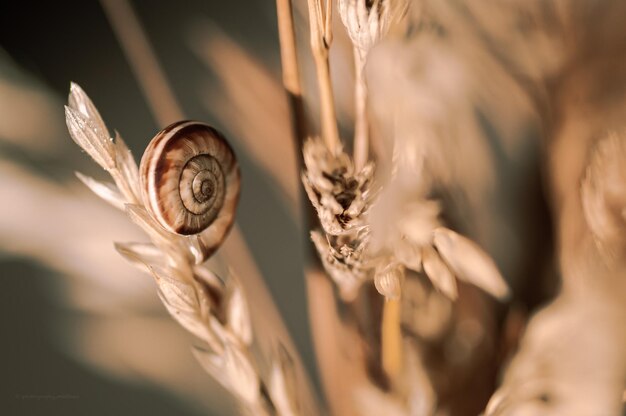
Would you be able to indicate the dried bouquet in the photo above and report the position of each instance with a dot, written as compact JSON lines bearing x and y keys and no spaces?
{"x":465,"y":121}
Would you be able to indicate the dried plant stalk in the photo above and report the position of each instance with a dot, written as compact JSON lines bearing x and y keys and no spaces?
{"x":291,"y":73}
{"x":321,"y":38}
{"x":361,"y":122}
{"x":215,"y":311}
{"x":392,"y":339}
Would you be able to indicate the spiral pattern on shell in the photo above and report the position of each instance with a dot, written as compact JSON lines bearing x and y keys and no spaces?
{"x":190,"y":181}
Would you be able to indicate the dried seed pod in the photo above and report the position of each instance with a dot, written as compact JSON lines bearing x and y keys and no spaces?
{"x":190,"y":181}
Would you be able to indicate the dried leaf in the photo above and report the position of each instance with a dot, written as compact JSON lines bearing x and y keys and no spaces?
{"x":222,"y":333}
{"x":237,"y":313}
{"x":184,"y":303}
{"x":439,"y":273}
{"x":283,"y":382}
{"x":168,"y":242}
{"x":469,"y":262}
{"x":127,"y":165}
{"x":207,"y":277}
{"x":233,"y":370}
{"x":418,"y":221}
{"x":106,"y":191}
{"x":179,"y":295}
{"x":241,"y":374}
{"x":213,"y":364}
{"x":80,"y":102}
{"x":410,"y":255}
{"x":90,"y":138}
{"x":142,"y":254}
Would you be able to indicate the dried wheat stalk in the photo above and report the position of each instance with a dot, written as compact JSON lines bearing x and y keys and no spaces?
{"x":213,"y":309}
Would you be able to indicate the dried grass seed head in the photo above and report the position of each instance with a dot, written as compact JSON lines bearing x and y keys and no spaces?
{"x":340,"y":195}
{"x":343,"y":257}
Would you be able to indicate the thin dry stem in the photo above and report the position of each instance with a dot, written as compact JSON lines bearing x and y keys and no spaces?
{"x":291,"y":75}
{"x":328,"y":21}
{"x":321,"y":36}
{"x":288,"y":48}
{"x":124,"y":186}
{"x":361,"y":123}
{"x":338,"y":373}
{"x":391,"y":338}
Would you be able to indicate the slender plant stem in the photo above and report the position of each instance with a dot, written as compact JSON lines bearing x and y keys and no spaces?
{"x":361,"y":124}
{"x":123,"y":185}
{"x":328,"y":21}
{"x":391,"y":338}
{"x":391,"y":334}
{"x":321,"y":36}
{"x":337,"y":372}
{"x":291,"y":75}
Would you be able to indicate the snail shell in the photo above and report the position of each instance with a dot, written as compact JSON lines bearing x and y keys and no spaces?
{"x":190,"y":181}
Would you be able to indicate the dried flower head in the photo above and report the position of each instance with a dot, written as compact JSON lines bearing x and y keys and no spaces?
{"x":368,"y":21}
{"x":341,"y":196}
{"x":418,"y":240}
{"x":339,"y":193}
{"x":343,"y":257}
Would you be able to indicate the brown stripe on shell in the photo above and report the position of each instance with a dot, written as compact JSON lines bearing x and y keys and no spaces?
{"x":210,"y":243}
{"x":162,"y":166}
